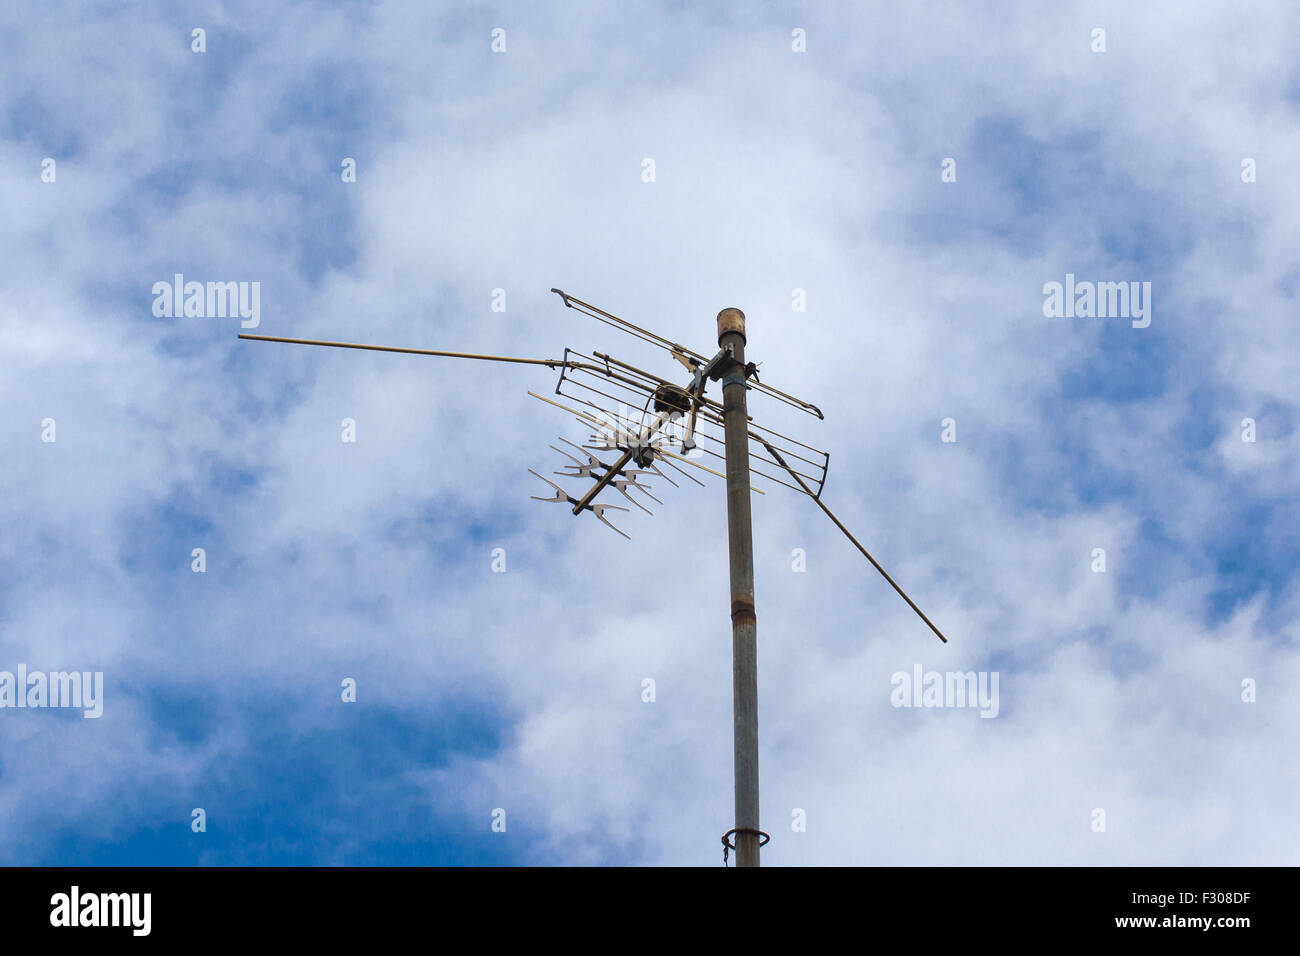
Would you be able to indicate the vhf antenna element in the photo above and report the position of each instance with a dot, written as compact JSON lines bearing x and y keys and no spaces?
{"x":599,"y":390}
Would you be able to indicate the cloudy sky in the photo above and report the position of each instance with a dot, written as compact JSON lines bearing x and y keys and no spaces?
{"x":1147,"y":712}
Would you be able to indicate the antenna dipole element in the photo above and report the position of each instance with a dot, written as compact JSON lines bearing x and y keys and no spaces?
{"x":744,"y":623}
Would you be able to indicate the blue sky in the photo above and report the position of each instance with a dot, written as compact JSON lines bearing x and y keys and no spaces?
{"x":775,"y":170}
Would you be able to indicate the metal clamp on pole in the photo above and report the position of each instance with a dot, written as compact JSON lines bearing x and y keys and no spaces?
{"x":728,"y":846}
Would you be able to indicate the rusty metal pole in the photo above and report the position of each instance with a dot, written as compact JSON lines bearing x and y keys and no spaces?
{"x":744,"y":624}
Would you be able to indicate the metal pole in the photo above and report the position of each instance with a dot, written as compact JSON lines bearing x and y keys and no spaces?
{"x":744,"y":624}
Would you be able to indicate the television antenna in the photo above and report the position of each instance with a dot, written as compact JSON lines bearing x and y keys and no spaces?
{"x":684,"y":416}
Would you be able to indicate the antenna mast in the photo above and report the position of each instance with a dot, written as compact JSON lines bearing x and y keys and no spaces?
{"x":744,"y":622}
{"x":642,"y":445}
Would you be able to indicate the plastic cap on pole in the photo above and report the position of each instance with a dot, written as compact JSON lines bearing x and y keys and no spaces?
{"x":731,"y":320}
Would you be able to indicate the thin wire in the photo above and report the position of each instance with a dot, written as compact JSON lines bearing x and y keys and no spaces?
{"x":794,"y":441}
{"x":753,"y":470}
{"x":665,"y":452}
{"x":753,"y":455}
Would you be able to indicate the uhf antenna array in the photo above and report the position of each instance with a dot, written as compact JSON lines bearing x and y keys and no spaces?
{"x":651,"y":426}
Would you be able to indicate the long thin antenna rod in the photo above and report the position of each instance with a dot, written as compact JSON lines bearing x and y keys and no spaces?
{"x":848,"y":534}
{"x":550,"y":363}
